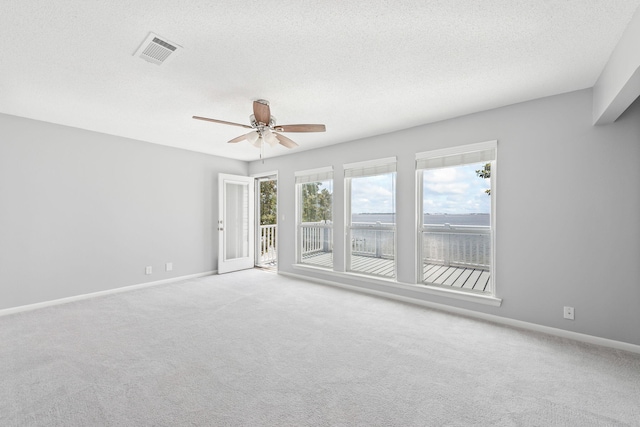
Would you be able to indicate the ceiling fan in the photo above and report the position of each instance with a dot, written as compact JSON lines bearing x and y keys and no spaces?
{"x":264,"y":127}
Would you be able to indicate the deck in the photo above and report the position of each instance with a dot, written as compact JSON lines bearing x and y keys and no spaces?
{"x":457,"y":277}
{"x":468,"y":278}
{"x":359,"y":264}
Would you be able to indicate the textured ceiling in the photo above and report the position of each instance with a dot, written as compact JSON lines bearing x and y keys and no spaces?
{"x":360,"y":67}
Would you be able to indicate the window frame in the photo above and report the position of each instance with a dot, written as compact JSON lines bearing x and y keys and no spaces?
{"x":369,"y":168}
{"x":302,"y":178}
{"x":424,"y":157}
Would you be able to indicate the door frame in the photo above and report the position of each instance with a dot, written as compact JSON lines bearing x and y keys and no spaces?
{"x":257,"y":177}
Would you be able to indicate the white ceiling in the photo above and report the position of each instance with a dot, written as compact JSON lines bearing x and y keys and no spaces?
{"x":360,"y":67}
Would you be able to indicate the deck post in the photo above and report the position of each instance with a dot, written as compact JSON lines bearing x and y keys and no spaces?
{"x":378,"y":242}
{"x":325,"y":239}
{"x":447,"y":250}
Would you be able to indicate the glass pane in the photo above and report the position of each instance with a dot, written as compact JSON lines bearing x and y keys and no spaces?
{"x":373,"y":251}
{"x":373,"y":199}
{"x":236,"y":215}
{"x":372,"y":228}
{"x":457,"y":195}
{"x":316,"y":229}
{"x":456,"y":242}
{"x":317,"y":201}
{"x":458,"y":260}
{"x":458,"y":249}
{"x":317,"y":245}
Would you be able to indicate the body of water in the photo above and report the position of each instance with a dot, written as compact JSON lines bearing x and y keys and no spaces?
{"x":433,"y":219}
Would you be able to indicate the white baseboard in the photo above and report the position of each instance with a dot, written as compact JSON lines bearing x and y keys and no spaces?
{"x":590,"y":339}
{"x":43,"y":304}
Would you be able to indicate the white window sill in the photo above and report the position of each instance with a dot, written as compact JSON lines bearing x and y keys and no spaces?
{"x":422,"y":288}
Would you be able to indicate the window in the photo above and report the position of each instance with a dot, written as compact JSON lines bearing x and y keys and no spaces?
{"x":456,"y":201}
{"x":314,"y":217}
{"x":371,"y":217}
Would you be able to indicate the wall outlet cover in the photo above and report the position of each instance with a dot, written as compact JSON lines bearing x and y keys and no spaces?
{"x":569,"y":313}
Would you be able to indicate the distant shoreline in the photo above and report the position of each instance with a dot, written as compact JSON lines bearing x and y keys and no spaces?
{"x":472,"y":219}
{"x":426,"y":213}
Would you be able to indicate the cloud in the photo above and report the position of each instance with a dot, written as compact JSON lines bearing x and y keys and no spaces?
{"x":452,"y":190}
{"x":455,"y":190}
{"x":373,"y":194}
{"x":447,"y":187}
{"x":443,"y":175}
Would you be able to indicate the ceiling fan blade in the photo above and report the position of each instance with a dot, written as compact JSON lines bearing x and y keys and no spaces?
{"x":285,"y":141}
{"x":261,"y":111}
{"x":240,"y":138}
{"x":221,"y":121}
{"x":300,"y":128}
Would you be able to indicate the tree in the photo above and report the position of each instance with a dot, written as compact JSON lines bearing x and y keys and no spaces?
{"x":309,"y":201}
{"x":324,"y":204}
{"x":485,"y":173}
{"x":316,"y":203}
{"x":268,"y":202}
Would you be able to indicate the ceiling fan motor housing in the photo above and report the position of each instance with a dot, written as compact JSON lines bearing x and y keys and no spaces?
{"x":257,"y":125}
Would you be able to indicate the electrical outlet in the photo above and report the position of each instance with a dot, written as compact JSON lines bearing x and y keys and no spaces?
{"x":168,"y":266}
{"x":148,"y":270}
{"x":568,"y":313}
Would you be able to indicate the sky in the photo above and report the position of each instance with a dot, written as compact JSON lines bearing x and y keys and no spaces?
{"x":455,"y":190}
{"x":373,"y":194}
{"x":452,"y":190}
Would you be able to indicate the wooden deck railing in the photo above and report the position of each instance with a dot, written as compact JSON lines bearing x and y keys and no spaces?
{"x":315,"y":237}
{"x":373,"y":239}
{"x":458,"y":246}
{"x":268,"y":253}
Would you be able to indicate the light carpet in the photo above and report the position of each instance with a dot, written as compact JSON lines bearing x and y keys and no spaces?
{"x":256,"y":349}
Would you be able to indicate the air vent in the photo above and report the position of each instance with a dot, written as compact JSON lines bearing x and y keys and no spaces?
{"x":157,"y":50}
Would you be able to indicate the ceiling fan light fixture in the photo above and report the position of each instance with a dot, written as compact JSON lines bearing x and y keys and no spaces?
{"x":270,"y":137}
{"x":252,"y":137}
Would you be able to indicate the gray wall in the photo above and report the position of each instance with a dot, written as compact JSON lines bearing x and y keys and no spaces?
{"x":568,"y":210}
{"x":82,"y":212}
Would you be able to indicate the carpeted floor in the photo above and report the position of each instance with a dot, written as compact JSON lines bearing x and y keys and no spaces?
{"x":257,"y":349}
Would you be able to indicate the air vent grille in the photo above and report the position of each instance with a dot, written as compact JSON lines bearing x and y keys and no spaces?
{"x":156,"y":50}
